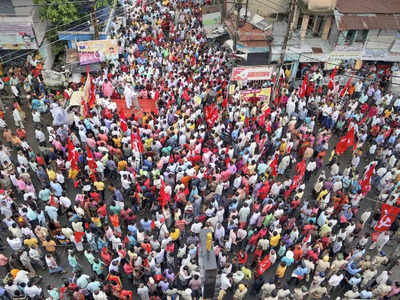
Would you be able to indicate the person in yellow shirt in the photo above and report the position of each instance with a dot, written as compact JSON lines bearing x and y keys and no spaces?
{"x":49,"y":245}
{"x":175,"y":234}
{"x":99,"y":185}
{"x":280,"y":271}
{"x":274,"y":240}
{"x":30,"y":242}
{"x":117,"y":141}
{"x":322,"y":194}
{"x":122,"y":164}
{"x":51,"y":174}
{"x":246,"y":272}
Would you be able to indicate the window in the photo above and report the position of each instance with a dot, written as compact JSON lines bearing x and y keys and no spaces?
{"x":350,"y":36}
{"x":362,"y":36}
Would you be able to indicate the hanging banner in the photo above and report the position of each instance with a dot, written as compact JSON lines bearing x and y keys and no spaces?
{"x":18,"y":35}
{"x":252,"y":73}
{"x":250,"y":95}
{"x":389,"y":215}
{"x":97,"y":51}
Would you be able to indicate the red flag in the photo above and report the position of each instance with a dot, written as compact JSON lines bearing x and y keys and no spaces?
{"x":366,"y":181}
{"x":92,"y":94}
{"x":74,"y":161}
{"x":269,"y":128}
{"x":345,"y":142}
{"x":389,"y":215}
{"x":301,"y":168}
{"x":303,"y":89}
{"x":147,"y":183}
{"x":156,"y":95}
{"x":331,"y":80}
{"x":346,"y":87}
{"x":274,"y":164}
{"x":84,"y":108}
{"x":122,"y":121}
{"x":139,"y":141}
{"x":211,"y":113}
{"x":263,"y":265}
{"x":71,"y":149}
{"x":171,"y":159}
{"x":310,"y":89}
{"x":225,"y":102}
{"x":73,"y":155}
{"x":90,"y":159}
{"x":78,"y":236}
{"x":164,"y":197}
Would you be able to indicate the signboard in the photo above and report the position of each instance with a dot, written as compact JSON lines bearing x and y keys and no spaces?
{"x":252,"y":73}
{"x":211,"y":20}
{"x":97,"y":51}
{"x":211,"y":17}
{"x":53,"y":78}
{"x":17,"y":36}
{"x":263,"y":94}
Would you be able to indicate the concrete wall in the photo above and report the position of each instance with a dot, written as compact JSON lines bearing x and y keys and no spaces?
{"x":267,"y":8}
{"x":380,"y":39}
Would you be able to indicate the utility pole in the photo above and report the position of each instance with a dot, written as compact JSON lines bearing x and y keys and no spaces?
{"x":94,"y":20}
{"x":238,"y":7}
{"x":247,"y":8}
{"x":292,"y":12}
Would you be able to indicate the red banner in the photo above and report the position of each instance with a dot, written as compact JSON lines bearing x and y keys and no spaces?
{"x":252,"y":73}
{"x":389,"y":215}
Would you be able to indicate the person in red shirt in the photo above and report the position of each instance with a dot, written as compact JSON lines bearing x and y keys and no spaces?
{"x":126,"y":295}
{"x":102,"y":210}
{"x":297,"y":252}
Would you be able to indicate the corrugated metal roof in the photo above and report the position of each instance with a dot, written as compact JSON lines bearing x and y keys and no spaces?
{"x":368,"y":6}
{"x":384,"y":22}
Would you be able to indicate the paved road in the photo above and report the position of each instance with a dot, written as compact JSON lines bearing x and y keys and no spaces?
{"x":56,"y":280}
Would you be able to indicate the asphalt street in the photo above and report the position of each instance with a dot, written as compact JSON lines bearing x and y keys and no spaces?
{"x":57,"y":280}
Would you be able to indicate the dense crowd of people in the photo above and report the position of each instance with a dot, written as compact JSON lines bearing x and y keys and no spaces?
{"x":127,"y":194}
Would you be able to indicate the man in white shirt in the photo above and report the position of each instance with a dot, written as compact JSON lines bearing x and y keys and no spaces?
{"x":335,"y":281}
{"x":32,"y":290}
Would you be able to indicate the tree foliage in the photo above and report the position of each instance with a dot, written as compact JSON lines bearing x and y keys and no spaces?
{"x":58,"y":12}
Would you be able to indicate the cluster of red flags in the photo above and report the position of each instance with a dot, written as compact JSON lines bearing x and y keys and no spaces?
{"x":211,"y":113}
{"x":345,"y":142}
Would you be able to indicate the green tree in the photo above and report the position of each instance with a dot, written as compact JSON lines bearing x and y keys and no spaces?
{"x":58,"y":12}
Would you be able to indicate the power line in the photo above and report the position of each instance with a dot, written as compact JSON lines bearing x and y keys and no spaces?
{"x":48,"y":3}
{"x":14,"y":53}
{"x":52,"y":43}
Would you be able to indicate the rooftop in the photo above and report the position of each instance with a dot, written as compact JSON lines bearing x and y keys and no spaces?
{"x":368,"y":6}
{"x":383,"y":22}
